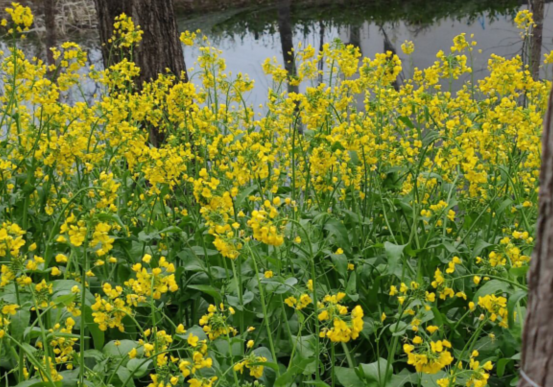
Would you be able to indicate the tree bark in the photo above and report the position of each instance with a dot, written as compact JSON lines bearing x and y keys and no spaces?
{"x":286,"y":40}
{"x":537,"y":37}
{"x":50,"y":25}
{"x":107,"y":11}
{"x":160,"y":49}
{"x":537,"y":344}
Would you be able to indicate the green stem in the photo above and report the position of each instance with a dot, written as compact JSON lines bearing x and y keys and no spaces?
{"x":264,"y":306}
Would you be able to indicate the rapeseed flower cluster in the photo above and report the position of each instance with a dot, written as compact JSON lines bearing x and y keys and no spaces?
{"x":356,"y":215}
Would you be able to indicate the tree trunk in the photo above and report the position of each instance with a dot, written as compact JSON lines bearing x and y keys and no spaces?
{"x":160,"y":49}
{"x":50,"y":25}
{"x":107,"y":11}
{"x":537,"y":37}
{"x":286,"y":41}
{"x":537,"y":345}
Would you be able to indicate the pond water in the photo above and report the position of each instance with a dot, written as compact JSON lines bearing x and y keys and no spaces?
{"x":248,"y":36}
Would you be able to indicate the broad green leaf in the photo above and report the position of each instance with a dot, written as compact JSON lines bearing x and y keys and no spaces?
{"x":138,"y":367}
{"x":340,"y":263}
{"x":245,"y":193}
{"x":295,"y":370}
{"x":209,"y":290}
{"x":512,"y":303}
{"x":393,"y":253}
{"x":375,"y":372}
{"x":119,"y":348}
{"x":94,"y":329}
{"x":490,"y":287}
{"x":338,"y":233}
{"x":37,"y":383}
{"x":500,"y":366}
{"x":402,"y":378}
{"x":348,"y":378}
{"x":125,"y":376}
{"x":19,"y":323}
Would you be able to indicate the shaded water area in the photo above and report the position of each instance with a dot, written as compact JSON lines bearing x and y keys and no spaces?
{"x":249,"y":35}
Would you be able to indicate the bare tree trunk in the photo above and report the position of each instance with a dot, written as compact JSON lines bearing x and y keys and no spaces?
{"x":285,"y":32}
{"x":537,"y":37}
{"x":388,"y":46}
{"x":321,"y":46}
{"x":50,"y":25}
{"x":355,"y":36}
{"x":537,"y":345}
{"x":107,"y":11}
{"x":160,"y":48}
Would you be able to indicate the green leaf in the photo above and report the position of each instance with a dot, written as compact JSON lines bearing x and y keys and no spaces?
{"x":519,"y":272}
{"x":199,"y":250}
{"x":19,"y":323}
{"x":503,"y":206}
{"x":501,"y":364}
{"x":340,"y":263}
{"x":64,"y":300}
{"x":94,"y":328}
{"x":243,"y":195}
{"x":295,"y":370}
{"x":121,"y":350}
{"x":138,"y":367}
{"x":430,"y":380}
{"x":209,"y":290}
{"x":248,"y":297}
{"x":393,"y":253}
{"x":125,"y":376}
{"x":406,"y":121}
{"x":512,"y":303}
{"x":317,"y":383}
{"x":402,"y":378}
{"x":338,"y":233}
{"x":348,"y":378}
{"x":37,"y":383}
{"x":375,"y":372}
{"x":398,"y":328}
{"x":190,"y":261}
{"x":351,"y":288}
{"x":490,"y":287}
{"x":479,"y":246}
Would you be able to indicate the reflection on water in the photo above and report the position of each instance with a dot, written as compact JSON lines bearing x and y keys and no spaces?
{"x":248,"y":37}
{"x":246,"y":43}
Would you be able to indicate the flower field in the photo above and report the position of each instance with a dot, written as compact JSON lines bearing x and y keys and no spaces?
{"x":313,"y":242}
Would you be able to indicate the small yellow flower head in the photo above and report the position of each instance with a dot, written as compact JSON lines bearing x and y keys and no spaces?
{"x":250,"y":343}
{"x":408,"y":47}
{"x":432,"y":328}
{"x":21,"y":16}
{"x":61,"y":258}
{"x":193,"y":340}
{"x":268,"y":274}
{"x":147,"y":258}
